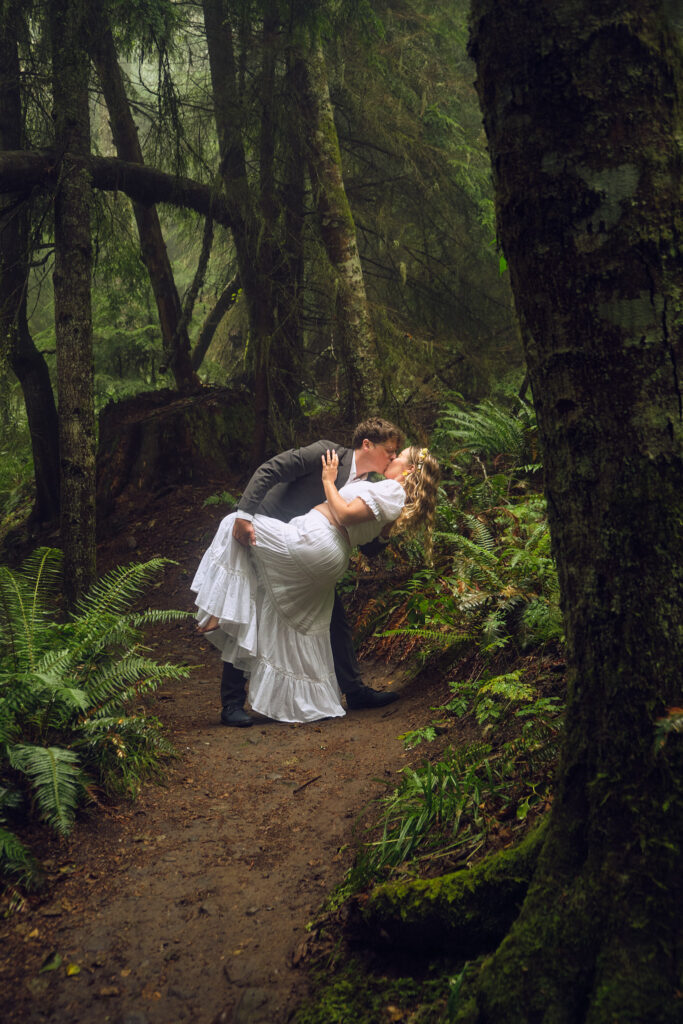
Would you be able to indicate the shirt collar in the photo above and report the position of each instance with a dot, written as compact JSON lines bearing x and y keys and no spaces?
{"x":353,"y":475}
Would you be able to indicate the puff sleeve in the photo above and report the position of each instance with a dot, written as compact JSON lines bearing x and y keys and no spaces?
{"x":384,"y":499}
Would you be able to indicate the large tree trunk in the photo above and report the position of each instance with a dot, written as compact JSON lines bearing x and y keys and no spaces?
{"x":73,"y":319}
{"x":174,"y":334}
{"x":582,"y":111}
{"x":354,"y":335}
{"x":26,"y":361}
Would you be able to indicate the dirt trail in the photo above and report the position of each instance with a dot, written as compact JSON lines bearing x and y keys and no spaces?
{"x":193,"y":901}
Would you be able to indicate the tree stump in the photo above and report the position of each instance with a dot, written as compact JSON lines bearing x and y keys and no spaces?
{"x":161,"y":439}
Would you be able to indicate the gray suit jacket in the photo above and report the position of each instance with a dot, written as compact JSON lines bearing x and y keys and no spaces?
{"x":290,"y":484}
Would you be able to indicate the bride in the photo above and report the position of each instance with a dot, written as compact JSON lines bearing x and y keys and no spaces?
{"x":267,"y":608}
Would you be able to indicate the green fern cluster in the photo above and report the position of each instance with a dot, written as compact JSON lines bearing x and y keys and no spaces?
{"x":494,"y":580}
{"x":66,"y":694}
{"x":504,"y":576}
{"x":498,"y":440}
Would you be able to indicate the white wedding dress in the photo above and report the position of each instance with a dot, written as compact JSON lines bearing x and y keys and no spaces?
{"x":274,"y":602}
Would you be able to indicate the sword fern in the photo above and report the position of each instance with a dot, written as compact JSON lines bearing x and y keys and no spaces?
{"x":66,"y":688}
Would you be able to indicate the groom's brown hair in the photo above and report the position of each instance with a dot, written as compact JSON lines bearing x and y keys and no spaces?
{"x":376,"y":430}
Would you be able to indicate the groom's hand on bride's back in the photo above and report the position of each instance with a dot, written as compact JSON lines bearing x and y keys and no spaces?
{"x":243,"y":531}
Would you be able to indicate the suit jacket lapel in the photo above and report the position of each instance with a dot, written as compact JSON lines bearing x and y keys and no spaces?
{"x":344,"y":467}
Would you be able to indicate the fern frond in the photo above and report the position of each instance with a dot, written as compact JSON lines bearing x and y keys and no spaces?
{"x":481,"y":534}
{"x":509,"y":686}
{"x":439,"y":637}
{"x":15,"y":860}
{"x":9,"y":727}
{"x":116,"y":683}
{"x":478,"y":552}
{"x":116,"y":591}
{"x":493,"y":628}
{"x":56,"y":779}
{"x":25,"y":623}
{"x":489,"y":431}
{"x":157,"y":616}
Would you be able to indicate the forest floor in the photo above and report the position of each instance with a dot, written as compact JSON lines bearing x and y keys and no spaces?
{"x":192,"y":903}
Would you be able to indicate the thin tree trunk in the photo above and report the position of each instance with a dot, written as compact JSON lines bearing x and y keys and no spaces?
{"x":174,"y":334}
{"x":72,"y":282}
{"x":252,"y":241}
{"x":582,"y":108}
{"x":287,"y":358}
{"x":355,"y":339}
{"x":26,"y":361}
{"x":225,"y":301}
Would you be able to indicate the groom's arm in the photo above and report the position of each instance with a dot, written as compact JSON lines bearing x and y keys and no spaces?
{"x":281,"y":469}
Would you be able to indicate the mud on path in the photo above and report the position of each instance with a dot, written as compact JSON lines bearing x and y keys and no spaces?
{"x":192,"y":903}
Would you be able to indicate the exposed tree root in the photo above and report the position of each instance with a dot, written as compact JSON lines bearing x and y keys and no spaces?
{"x":466,"y":912}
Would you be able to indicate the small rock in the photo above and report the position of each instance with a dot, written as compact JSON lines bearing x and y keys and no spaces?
{"x":107,"y":991}
{"x":246,"y":1011}
{"x":52,"y":910}
{"x":178,"y":993}
{"x":250,"y":911}
{"x":224,"y":1017}
{"x":38,"y":986}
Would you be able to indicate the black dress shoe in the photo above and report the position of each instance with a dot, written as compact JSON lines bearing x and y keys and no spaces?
{"x":366,"y":697}
{"x":237,"y":716}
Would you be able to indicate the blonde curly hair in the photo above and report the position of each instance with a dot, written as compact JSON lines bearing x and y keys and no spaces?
{"x":421,"y":486}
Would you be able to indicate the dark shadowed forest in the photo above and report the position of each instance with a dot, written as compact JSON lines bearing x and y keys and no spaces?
{"x":230,"y":229}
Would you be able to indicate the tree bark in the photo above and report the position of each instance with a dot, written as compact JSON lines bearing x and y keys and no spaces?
{"x":287,"y":373}
{"x":225,"y":301}
{"x":355,"y":339}
{"x":176,"y":341}
{"x":26,"y":361}
{"x":253,"y":241}
{"x":582,"y":110}
{"x":72,"y":282}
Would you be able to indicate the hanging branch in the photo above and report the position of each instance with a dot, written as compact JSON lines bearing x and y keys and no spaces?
{"x":226,"y":300}
{"x":192,"y":292}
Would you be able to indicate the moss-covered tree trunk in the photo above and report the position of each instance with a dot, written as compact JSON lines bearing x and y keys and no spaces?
{"x":354,"y":338}
{"x":16,"y":343}
{"x":582,"y":110}
{"x":72,"y":282}
{"x":176,"y":341}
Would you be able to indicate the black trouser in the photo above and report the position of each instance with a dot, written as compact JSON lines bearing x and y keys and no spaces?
{"x":344,"y":656}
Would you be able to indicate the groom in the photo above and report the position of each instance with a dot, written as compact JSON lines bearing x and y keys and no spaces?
{"x":289,"y":485}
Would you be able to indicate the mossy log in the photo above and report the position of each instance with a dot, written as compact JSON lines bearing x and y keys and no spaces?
{"x":160,"y":439}
{"x":466,"y":912}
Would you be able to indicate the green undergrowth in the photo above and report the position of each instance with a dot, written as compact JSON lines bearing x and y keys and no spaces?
{"x":484,"y":619}
{"x":482,"y":624}
{"x":73,"y":724}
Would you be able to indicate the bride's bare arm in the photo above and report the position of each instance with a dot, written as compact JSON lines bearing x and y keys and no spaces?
{"x":345,"y":512}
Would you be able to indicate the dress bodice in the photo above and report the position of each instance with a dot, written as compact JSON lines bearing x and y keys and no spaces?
{"x":385,"y":500}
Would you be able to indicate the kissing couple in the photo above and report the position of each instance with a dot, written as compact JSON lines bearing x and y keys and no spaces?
{"x":265,"y":587}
